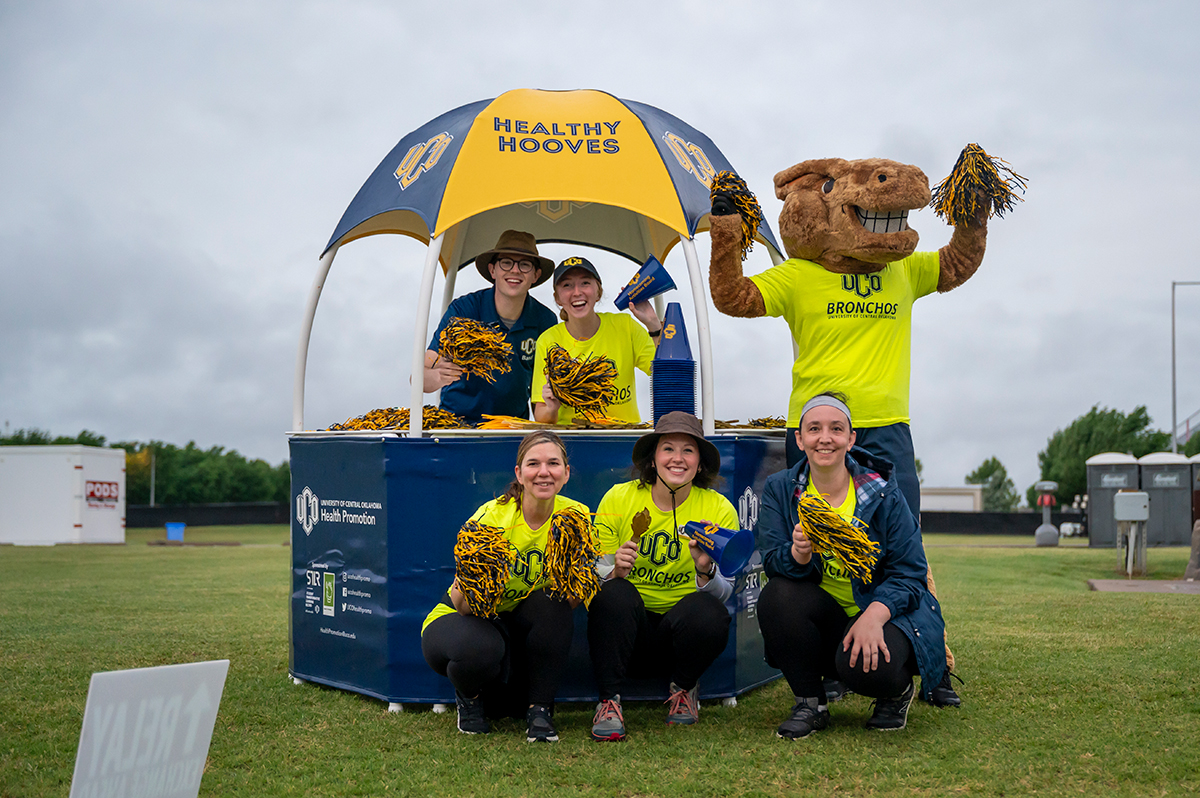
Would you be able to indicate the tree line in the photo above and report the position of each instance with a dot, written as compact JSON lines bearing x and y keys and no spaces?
{"x":182,"y":475}
{"x":1066,"y":453}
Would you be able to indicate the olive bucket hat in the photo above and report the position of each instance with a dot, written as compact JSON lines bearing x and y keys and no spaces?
{"x":679,"y":422}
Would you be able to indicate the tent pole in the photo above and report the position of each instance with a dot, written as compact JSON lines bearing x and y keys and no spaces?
{"x":448,"y":291}
{"x":424,"y":299}
{"x":310,"y":312}
{"x":700,"y":299}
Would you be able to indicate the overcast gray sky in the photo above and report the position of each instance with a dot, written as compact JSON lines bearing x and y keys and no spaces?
{"x":173,"y":170}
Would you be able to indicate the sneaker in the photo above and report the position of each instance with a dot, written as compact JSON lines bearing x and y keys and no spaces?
{"x":943,"y":695}
{"x":539,"y":727}
{"x":684,"y":709}
{"x":834,"y":690}
{"x":891,"y":714}
{"x":805,"y":719}
{"x":470,"y":715}
{"x":608,"y":723}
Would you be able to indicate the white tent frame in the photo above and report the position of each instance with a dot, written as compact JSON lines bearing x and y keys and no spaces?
{"x":421,"y":327}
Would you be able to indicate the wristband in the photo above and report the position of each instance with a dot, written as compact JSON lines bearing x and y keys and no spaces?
{"x":656,"y":333}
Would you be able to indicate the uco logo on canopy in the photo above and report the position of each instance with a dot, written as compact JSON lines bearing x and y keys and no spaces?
{"x":307,"y":510}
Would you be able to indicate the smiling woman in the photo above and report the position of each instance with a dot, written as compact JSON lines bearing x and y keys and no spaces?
{"x":585,"y":333}
{"x":511,"y":665}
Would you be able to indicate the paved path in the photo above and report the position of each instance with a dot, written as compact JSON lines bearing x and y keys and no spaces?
{"x":1143,"y":586}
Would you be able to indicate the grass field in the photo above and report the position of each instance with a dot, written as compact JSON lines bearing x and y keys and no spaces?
{"x":1067,"y":691}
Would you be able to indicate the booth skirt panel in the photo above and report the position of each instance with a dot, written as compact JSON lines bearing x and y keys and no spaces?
{"x":373,"y":528}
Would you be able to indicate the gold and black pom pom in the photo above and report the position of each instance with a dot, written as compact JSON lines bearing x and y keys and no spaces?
{"x":976,"y":181}
{"x":398,"y":418}
{"x":585,"y":384}
{"x":483,"y":558}
{"x":732,"y":186}
{"x":571,"y":554}
{"x":832,"y":534}
{"x":478,"y":349}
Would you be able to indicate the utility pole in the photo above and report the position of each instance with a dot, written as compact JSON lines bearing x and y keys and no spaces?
{"x":1174,"y":421}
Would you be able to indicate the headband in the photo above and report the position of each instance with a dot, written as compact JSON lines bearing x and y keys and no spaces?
{"x":826,"y":401}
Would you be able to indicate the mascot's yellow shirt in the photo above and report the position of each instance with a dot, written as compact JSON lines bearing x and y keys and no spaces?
{"x":854,"y":332}
{"x":622,"y":340}
{"x":525,"y":575}
{"x":664,"y":571}
{"x":835,"y":579}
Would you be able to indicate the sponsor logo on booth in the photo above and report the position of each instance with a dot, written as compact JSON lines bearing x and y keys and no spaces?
{"x":101,"y":494}
{"x":310,"y":510}
{"x":328,"y":597}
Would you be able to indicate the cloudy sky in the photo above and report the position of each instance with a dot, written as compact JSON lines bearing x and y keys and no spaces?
{"x":171,"y":172}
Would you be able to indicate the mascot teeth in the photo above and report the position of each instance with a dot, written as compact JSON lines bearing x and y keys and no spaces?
{"x":882,"y":222}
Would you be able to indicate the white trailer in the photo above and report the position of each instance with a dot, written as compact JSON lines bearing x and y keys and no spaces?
{"x":61,"y":494}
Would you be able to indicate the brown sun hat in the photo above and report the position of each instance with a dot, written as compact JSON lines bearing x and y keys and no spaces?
{"x":518,"y":245}
{"x":679,"y":422}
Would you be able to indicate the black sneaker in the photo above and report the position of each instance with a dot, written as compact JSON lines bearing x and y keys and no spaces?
{"x":805,"y":719}
{"x":470,"y":715}
{"x":834,"y":690}
{"x":891,"y":714}
{"x":943,"y":695}
{"x":539,"y":727}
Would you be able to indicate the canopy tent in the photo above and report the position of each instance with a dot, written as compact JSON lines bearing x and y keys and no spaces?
{"x":579,"y":167}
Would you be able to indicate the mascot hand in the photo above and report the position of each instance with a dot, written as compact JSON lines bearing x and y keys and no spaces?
{"x":722,"y":205}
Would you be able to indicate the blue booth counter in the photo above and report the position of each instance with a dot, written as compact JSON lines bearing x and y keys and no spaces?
{"x":374,"y":520}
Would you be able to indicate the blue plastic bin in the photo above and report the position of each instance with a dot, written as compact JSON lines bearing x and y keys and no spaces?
{"x":175,"y":530}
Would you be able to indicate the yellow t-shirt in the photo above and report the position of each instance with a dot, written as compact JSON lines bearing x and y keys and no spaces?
{"x":664,"y":571}
{"x":854,"y":332}
{"x":525,"y":575}
{"x":835,"y":579}
{"x":621,"y":339}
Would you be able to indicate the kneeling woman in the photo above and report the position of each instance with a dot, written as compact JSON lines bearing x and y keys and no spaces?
{"x":817,"y":618}
{"x":513,"y":663}
{"x":661,"y":609}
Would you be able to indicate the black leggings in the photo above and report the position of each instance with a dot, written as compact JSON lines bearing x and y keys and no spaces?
{"x":803,"y":627}
{"x":512,"y":661}
{"x":626,"y":638}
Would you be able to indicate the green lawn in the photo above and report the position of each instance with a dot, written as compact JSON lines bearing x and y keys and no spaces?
{"x":1068,"y":691}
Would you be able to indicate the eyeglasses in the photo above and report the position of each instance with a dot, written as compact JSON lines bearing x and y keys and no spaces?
{"x":523,"y":266}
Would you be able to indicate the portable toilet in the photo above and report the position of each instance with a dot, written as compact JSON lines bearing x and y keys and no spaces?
{"x":1107,"y":473}
{"x":1167,"y":478}
{"x":1195,"y":488}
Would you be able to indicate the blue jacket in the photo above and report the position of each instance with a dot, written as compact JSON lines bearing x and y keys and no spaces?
{"x":898,"y":580}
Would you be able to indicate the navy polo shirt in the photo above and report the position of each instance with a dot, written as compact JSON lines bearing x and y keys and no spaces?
{"x":472,"y":396}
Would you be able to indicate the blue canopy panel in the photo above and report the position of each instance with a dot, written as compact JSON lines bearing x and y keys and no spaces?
{"x":412,"y":207}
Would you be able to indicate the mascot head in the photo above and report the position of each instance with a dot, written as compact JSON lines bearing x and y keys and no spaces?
{"x":850,"y":216}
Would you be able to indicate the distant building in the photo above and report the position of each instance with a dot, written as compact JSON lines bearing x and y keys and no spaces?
{"x":964,"y":499}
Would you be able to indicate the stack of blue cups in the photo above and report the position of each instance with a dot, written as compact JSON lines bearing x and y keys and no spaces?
{"x":673,"y":375}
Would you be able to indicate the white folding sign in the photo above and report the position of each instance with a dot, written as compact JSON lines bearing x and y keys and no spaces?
{"x":146,"y":731}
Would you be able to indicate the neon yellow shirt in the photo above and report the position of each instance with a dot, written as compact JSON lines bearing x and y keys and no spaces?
{"x":854,"y":332}
{"x":835,"y":579}
{"x":525,"y":575}
{"x":621,"y":339}
{"x":664,"y":571}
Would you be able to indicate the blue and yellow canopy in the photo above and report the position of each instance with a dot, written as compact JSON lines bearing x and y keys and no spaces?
{"x":580,"y":167}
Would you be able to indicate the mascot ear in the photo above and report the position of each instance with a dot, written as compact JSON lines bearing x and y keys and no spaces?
{"x":818,"y":168}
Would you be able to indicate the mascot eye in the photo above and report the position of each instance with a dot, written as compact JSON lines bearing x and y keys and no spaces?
{"x":882,"y":178}
{"x":828,"y":186}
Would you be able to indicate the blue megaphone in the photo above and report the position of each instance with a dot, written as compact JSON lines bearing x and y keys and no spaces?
{"x":650,"y":281}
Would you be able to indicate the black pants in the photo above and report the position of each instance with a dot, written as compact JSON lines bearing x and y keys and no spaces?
{"x":512,"y":661}
{"x":627,"y":639}
{"x":803,"y":627}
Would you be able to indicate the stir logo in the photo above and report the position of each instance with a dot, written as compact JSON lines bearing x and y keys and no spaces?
{"x":307,"y":510}
{"x":411,"y":167}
